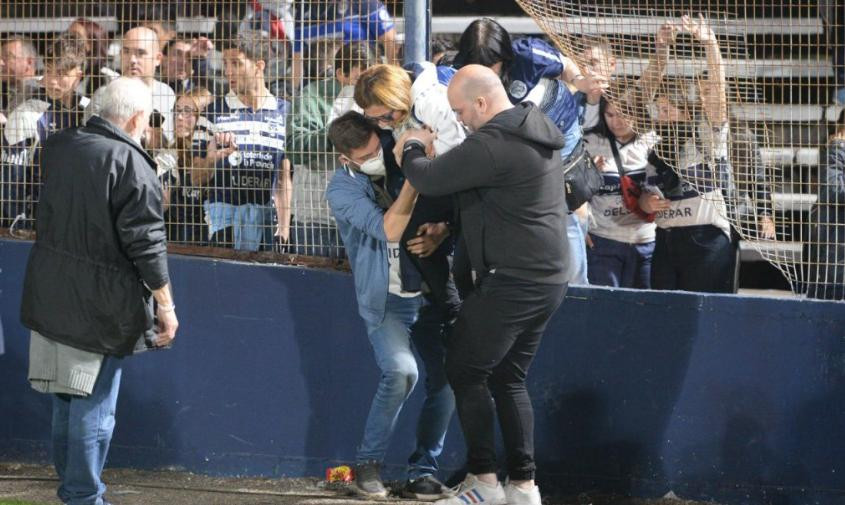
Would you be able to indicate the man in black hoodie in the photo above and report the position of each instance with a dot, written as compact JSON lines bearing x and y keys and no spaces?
{"x":508,"y":180}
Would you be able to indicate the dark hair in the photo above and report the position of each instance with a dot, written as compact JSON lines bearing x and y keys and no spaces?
{"x":485,"y":42}
{"x":172,"y":42}
{"x":99,"y":42}
{"x":354,"y":54}
{"x":66,"y":53}
{"x":441,"y":44}
{"x":351,"y":131}
{"x":254,"y":45}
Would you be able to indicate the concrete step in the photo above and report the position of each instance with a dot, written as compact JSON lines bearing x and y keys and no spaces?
{"x":763,"y":250}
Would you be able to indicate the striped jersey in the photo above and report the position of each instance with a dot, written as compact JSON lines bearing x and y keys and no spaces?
{"x":247,"y":175}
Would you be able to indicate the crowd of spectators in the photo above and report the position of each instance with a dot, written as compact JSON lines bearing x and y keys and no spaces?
{"x":240,"y":124}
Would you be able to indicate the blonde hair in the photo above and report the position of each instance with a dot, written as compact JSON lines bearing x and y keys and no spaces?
{"x":385,"y":85}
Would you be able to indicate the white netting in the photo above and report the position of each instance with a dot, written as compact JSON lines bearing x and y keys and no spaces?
{"x":771,"y":71}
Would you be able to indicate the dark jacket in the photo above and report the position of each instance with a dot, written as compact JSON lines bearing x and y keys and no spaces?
{"x":508,"y":179}
{"x":100,"y":236}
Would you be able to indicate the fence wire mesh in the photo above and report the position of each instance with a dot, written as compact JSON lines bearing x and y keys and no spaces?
{"x":757,"y":87}
{"x":245,"y":89}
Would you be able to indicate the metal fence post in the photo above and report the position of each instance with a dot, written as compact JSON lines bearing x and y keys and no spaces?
{"x":417,"y":30}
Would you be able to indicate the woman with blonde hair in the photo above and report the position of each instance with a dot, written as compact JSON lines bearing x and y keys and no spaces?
{"x":401,"y":98}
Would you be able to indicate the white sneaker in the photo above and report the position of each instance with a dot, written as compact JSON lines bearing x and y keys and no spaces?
{"x":472,"y":491}
{"x":519,"y":496}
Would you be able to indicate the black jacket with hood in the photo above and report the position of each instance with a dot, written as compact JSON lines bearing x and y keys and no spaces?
{"x":508,"y":180}
{"x":100,"y":237}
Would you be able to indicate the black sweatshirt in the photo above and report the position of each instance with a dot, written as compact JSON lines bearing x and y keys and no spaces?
{"x":508,"y":179}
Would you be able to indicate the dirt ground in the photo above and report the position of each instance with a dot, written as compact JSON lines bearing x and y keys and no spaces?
{"x":37,"y":484}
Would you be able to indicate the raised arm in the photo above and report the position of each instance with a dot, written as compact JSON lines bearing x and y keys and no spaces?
{"x":714,"y":99}
{"x":656,"y":69}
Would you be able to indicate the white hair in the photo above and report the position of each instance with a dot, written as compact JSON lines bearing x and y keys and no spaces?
{"x":123,"y":97}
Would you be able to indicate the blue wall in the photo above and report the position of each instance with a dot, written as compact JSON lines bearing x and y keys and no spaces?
{"x":737,"y":399}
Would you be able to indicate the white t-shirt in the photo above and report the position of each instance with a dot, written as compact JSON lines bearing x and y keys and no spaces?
{"x":699,"y":200}
{"x":611,"y":219}
{"x":394,"y":279}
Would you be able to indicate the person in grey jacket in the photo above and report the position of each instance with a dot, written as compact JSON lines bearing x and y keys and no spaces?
{"x":100,"y":254}
{"x":507,"y":178}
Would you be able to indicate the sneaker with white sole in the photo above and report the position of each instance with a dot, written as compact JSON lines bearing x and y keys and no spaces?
{"x":516,"y":495}
{"x":473,"y":491}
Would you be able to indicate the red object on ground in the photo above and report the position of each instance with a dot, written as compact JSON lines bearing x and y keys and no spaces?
{"x":341,"y":473}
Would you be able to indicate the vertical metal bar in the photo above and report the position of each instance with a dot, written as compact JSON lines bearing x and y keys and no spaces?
{"x":417,"y":30}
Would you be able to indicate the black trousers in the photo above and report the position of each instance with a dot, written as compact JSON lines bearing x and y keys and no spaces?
{"x":493,"y":343}
{"x":694,"y":258}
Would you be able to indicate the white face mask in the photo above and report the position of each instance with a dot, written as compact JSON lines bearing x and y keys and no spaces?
{"x":374,"y":167}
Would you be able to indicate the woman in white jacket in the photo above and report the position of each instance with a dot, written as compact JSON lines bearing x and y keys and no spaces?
{"x":400,"y":98}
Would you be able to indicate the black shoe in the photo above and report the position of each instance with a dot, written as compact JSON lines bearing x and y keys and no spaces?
{"x":368,"y":481}
{"x":426,"y":488}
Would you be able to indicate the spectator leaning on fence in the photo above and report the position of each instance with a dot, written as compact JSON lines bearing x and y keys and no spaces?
{"x":373,"y":207}
{"x":245,"y":165}
{"x":54,"y":107}
{"x":21,"y":63}
{"x":621,"y":238}
{"x":310,"y":152}
{"x":693,"y":248}
{"x":100,"y":253}
{"x":184,"y":196}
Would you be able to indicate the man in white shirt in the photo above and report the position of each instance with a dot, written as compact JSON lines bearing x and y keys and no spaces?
{"x":140,"y":55}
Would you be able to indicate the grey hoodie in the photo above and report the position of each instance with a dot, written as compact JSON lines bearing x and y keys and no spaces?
{"x":508,"y":180}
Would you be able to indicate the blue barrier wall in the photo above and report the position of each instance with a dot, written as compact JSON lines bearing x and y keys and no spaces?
{"x":732,"y":398}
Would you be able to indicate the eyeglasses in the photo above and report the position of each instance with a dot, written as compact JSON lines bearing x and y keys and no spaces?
{"x":179,"y":111}
{"x":386,"y":117}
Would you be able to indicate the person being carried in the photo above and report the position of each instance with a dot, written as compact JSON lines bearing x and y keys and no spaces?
{"x":507,"y":179}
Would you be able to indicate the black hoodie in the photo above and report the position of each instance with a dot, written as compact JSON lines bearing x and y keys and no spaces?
{"x":508,"y":179}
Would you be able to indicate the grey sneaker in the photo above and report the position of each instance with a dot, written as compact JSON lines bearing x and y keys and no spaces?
{"x":426,"y":488}
{"x":368,"y":482}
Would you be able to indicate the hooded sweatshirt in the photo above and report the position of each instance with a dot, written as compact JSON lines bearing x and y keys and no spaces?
{"x":508,"y":179}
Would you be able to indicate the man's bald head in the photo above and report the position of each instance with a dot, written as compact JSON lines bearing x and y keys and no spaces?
{"x":477,"y":80}
{"x":140,"y":54}
{"x":476,"y":95}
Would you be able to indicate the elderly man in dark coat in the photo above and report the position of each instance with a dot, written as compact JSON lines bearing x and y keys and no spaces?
{"x":99,"y":257}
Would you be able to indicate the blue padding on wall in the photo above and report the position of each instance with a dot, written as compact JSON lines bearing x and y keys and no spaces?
{"x":732,"y":398}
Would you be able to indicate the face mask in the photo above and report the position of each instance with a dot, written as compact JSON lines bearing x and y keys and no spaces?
{"x":374,"y":167}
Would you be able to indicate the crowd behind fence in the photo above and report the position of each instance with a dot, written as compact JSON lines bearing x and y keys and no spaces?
{"x":245,"y":90}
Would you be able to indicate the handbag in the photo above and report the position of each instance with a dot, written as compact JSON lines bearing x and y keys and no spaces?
{"x":582,"y":179}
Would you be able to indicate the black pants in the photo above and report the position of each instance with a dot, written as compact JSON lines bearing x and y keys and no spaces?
{"x":694,"y":258}
{"x":494,"y":340}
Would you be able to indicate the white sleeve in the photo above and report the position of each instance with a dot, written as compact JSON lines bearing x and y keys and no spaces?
{"x":433,"y":110}
{"x":591,"y":116}
{"x":23,"y":121}
{"x":344,"y":103}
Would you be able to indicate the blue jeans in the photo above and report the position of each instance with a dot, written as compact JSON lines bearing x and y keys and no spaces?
{"x":82,"y":430}
{"x":408,"y":320}
{"x":618,"y":264}
{"x":577,"y":249}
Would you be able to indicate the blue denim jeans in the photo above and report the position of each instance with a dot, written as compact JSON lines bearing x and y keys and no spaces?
{"x":82,"y":430}
{"x":575,"y":233}
{"x":618,"y":264}
{"x":409,"y":321}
